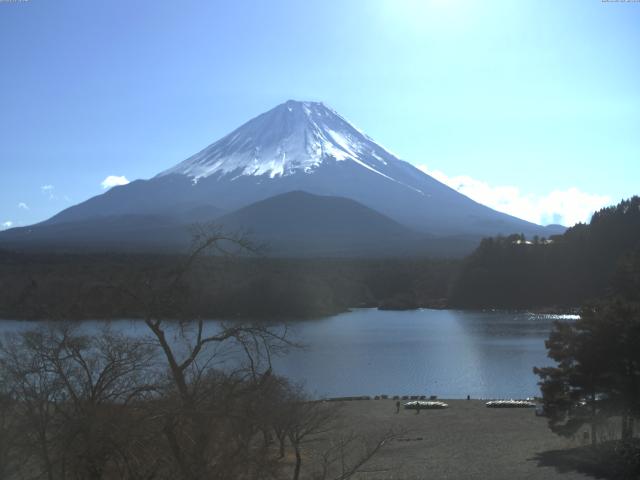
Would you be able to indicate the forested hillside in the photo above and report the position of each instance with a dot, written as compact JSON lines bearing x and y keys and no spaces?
{"x":36,"y":286}
{"x":588,"y":261}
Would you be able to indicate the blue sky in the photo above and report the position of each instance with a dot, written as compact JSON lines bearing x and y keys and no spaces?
{"x":532,"y":107}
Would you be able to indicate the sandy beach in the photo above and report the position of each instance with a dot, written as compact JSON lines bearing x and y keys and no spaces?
{"x":465,"y":441}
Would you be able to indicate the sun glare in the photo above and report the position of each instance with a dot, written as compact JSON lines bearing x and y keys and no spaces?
{"x":423,"y":17}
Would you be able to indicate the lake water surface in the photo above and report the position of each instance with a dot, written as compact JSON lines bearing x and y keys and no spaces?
{"x":447,"y":353}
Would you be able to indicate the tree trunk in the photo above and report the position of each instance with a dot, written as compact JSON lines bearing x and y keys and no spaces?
{"x":296,"y":472}
{"x":266,"y":437}
{"x":45,"y":455}
{"x":174,"y":446}
{"x":594,"y":410}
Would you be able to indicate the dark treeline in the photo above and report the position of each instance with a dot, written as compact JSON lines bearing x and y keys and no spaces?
{"x":587,"y":261}
{"x":39,"y":285}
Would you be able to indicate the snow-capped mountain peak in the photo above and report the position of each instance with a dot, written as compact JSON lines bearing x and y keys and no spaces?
{"x":295,"y":147}
{"x":294,"y":137}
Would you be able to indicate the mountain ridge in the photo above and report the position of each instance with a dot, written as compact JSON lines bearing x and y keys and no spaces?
{"x":301,"y":146}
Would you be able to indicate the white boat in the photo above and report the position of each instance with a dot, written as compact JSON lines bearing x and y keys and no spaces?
{"x":510,"y":404}
{"x":425,"y":405}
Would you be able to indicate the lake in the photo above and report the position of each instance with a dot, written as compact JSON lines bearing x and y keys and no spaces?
{"x":447,"y":353}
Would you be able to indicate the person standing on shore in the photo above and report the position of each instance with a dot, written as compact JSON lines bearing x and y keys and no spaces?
{"x":397,"y":406}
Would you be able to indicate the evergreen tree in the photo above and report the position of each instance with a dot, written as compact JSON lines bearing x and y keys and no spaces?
{"x":598,"y":369}
{"x":587,"y":261}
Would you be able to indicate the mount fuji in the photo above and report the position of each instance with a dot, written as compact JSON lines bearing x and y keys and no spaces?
{"x":295,"y":147}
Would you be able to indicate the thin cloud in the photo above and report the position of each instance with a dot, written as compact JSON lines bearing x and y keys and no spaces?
{"x":49,"y":191}
{"x":565,"y":207}
{"x":7,"y":224}
{"x":23,"y":206}
{"x":113,"y":181}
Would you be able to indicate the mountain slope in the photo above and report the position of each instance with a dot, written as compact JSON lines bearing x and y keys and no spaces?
{"x":294,"y":224}
{"x":298,"y":146}
{"x":302,"y":224}
{"x":305,"y":146}
{"x":125,"y":232}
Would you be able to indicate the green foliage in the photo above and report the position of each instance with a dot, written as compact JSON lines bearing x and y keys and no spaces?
{"x":598,"y":368}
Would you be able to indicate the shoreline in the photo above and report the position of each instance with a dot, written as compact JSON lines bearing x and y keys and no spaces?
{"x":410,"y":398}
{"x":287,"y":319}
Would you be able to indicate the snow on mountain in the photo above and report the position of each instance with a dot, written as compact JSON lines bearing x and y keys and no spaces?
{"x":294,"y":137}
{"x":301,"y":146}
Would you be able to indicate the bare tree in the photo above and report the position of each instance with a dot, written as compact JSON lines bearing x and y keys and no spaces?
{"x":193,"y":399}
{"x":307,"y":420}
{"x":335,"y":453}
{"x":8,"y":464}
{"x":348,"y":453}
{"x":208,"y":401}
{"x":72,"y":399}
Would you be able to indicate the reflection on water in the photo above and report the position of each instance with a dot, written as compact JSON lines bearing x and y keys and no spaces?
{"x":447,"y":353}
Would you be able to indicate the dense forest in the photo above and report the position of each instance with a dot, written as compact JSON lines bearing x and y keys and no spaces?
{"x":587,"y":261}
{"x":34,"y":286}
